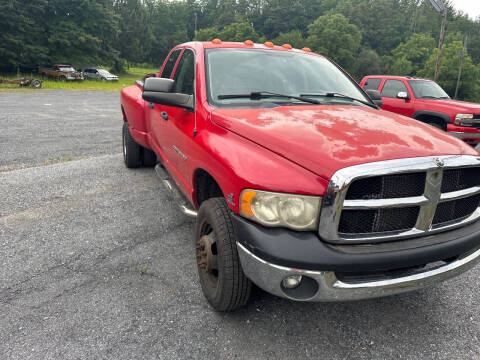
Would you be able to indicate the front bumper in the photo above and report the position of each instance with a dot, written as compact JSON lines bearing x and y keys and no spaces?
{"x":326,"y":286}
{"x":351,"y":272}
{"x":468,"y":134}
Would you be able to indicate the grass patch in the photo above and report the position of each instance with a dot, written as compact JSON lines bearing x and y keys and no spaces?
{"x":123,"y":80}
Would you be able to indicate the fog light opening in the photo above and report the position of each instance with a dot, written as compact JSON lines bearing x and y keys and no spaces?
{"x":292,"y":281}
{"x":299,"y":287}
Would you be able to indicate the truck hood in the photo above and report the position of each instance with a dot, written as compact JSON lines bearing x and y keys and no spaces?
{"x":324,"y":139}
{"x":457,"y":106}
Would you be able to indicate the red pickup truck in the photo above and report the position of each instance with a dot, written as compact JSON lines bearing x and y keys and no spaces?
{"x":425,"y":100}
{"x":298,"y":181}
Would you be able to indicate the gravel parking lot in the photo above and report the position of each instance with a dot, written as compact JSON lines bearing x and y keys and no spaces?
{"x":97,"y":262}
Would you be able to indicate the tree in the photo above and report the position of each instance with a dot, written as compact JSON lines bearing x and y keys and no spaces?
{"x":234,"y":32}
{"x":208,"y":34}
{"x":368,"y":63}
{"x":81,"y":32}
{"x":22,"y":38}
{"x":409,"y":57}
{"x":238,"y":32}
{"x":335,"y":37}
{"x":470,"y":82}
{"x":294,"y":38}
{"x":135,"y":38}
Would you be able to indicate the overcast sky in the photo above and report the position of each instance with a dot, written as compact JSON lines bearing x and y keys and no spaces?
{"x":471,"y":7}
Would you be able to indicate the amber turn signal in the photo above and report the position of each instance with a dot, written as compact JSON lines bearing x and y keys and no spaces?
{"x":248,"y":42}
{"x":287,"y":46}
{"x":216,"y":41}
{"x":268,"y":43}
{"x":306,"y":49}
{"x":245,"y":202}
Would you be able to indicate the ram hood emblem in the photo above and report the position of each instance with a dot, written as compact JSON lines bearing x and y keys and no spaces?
{"x":439,"y":162}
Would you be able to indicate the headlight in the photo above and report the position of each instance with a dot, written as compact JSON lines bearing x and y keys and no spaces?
{"x":298,"y":212}
{"x":464,"y":119}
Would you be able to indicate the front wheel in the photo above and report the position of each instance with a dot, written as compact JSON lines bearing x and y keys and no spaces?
{"x":221,"y":275}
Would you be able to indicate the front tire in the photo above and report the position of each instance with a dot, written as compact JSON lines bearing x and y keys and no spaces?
{"x":221,"y":275}
{"x":437,"y":125}
{"x":131,"y":150}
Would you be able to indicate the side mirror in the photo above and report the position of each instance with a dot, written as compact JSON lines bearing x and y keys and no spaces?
{"x":160,"y":91}
{"x":403,"y":95}
{"x":375,"y":96}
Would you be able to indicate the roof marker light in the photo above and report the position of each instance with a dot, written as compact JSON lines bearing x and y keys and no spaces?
{"x":248,"y":42}
{"x":216,"y":41}
{"x":268,"y":43}
{"x":287,"y":46}
{"x":306,"y":49}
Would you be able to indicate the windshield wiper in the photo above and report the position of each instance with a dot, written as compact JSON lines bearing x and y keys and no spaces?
{"x":258,"y":95}
{"x":343,"y":96}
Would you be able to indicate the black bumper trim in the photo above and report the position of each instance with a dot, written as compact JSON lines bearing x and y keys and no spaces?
{"x":304,"y":250}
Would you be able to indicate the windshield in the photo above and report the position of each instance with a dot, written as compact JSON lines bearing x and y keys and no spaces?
{"x":103,"y":72}
{"x":66,"y":68}
{"x":243,"y":71}
{"x":426,"y":89}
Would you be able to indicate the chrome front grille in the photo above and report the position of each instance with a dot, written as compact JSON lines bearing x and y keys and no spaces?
{"x":395,"y":199}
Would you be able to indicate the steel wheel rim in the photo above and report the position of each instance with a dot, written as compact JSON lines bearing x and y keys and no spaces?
{"x":207,"y":256}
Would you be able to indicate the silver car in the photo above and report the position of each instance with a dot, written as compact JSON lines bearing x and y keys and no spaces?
{"x":99,"y":74}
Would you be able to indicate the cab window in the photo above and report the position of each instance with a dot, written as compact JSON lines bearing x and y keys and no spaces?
{"x":392,"y":88}
{"x":185,"y":73}
{"x":372,"y":84}
{"x":170,"y":64}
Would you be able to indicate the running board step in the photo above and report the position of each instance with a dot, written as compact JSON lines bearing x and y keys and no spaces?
{"x":177,"y":195}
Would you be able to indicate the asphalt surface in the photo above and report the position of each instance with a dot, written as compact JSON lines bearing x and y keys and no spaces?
{"x":97,"y":263}
{"x":47,"y":126}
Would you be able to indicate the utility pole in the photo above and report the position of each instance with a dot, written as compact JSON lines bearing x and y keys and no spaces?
{"x":442,"y":9}
{"x":460,"y":68}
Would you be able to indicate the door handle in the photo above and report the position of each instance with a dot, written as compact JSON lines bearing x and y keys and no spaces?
{"x":151,"y":106}
{"x":164,"y":115}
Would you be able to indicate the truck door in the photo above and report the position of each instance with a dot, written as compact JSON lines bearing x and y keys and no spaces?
{"x":156,"y":124}
{"x":181,"y":121}
{"x":172,"y":124}
{"x":391,"y":92}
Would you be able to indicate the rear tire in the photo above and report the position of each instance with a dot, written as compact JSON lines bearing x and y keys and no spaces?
{"x":149,"y":159}
{"x":221,"y":275}
{"x":131,"y":150}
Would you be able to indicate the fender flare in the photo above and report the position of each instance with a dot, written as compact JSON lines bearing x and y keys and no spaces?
{"x":441,"y":116}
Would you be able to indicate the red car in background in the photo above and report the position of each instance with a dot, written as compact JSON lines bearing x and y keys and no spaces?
{"x":425,"y":100}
